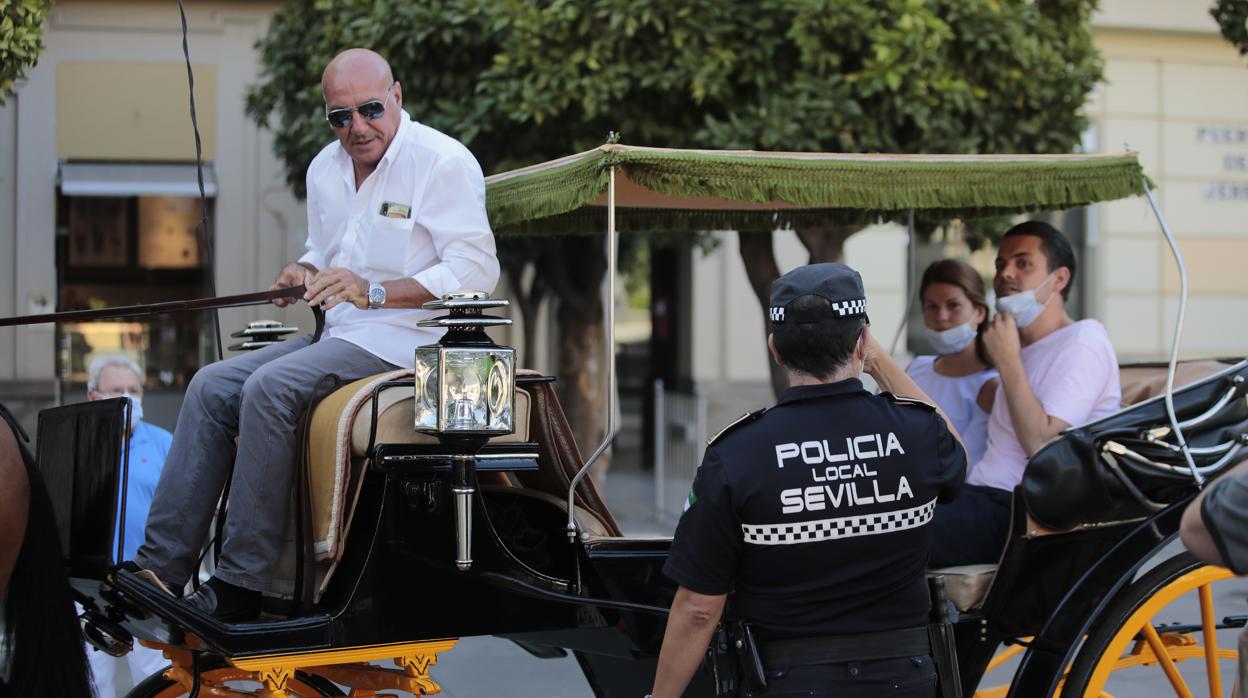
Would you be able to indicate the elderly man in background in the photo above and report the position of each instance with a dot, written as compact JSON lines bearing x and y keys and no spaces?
{"x":113,"y":377}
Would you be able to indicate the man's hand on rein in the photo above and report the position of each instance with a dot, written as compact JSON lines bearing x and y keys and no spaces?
{"x":333,"y":286}
{"x":293,"y":274}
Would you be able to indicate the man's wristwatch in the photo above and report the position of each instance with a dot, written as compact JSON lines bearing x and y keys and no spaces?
{"x":376,"y":295}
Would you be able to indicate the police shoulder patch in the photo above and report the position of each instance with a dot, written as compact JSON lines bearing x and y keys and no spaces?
{"x":743,"y":419}
{"x":903,"y":400}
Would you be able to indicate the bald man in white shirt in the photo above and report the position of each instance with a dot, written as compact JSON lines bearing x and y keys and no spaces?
{"x":396,"y":218}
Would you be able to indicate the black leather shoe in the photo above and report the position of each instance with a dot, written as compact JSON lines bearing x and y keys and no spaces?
{"x":226,"y":602}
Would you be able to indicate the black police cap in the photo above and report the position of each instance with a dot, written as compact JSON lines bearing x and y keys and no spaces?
{"x":838,"y":283}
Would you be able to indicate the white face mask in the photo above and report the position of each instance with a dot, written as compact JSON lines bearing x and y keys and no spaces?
{"x":952,"y":340}
{"x":136,"y":410}
{"x":1023,"y":305}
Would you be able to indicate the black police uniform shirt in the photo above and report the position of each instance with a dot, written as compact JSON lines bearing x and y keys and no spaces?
{"x":815,"y":514}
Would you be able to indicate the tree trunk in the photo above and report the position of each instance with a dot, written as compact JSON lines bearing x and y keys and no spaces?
{"x":826,"y":244}
{"x":761,"y":269}
{"x":575,"y":269}
{"x":528,"y":298}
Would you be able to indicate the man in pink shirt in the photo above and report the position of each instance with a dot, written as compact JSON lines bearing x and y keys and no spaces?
{"x":1055,"y":373}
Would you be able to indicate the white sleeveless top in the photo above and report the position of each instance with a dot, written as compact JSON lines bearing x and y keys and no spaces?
{"x":956,"y":396}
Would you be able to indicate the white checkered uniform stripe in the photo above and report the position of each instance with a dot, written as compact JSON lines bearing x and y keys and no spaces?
{"x":843,"y":308}
{"x":843,"y":527}
{"x":777,"y":314}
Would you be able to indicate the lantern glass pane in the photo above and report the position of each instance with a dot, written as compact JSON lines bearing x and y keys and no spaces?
{"x":465,"y":374}
{"x":425,"y":404}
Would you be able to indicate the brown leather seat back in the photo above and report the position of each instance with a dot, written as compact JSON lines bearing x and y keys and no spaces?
{"x":558,"y":456}
{"x":1140,"y":383}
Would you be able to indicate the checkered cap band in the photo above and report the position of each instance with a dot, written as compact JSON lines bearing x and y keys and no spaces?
{"x":854,"y":307}
{"x":843,"y":527}
{"x":839,"y":308}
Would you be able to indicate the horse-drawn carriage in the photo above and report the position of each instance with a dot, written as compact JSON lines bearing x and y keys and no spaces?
{"x":409,"y":532}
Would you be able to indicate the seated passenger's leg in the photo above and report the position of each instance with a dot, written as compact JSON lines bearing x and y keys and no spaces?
{"x":198,"y":460}
{"x":273,"y":399}
{"x":971,"y":529}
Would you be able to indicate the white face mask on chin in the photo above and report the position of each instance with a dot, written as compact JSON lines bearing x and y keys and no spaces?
{"x":952,"y":340}
{"x":1023,"y":305}
{"x":136,"y":410}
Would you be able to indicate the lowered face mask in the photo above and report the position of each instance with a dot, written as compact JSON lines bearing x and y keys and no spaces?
{"x":952,"y":340}
{"x":1023,"y":305}
{"x":136,"y":410}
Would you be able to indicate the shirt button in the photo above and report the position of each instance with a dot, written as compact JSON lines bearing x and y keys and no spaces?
{"x":853,"y":671}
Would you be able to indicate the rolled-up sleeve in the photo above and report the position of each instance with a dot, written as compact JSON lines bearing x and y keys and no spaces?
{"x":456,"y":220}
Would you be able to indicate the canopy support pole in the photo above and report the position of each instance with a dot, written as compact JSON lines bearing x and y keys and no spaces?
{"x":1178,"y":333}
{"x":911,"y":271}
{"x":612,"y":243}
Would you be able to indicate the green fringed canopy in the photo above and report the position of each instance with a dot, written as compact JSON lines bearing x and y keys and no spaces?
{"x":659,"y":189}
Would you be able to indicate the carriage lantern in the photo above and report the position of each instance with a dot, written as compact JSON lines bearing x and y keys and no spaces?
{"x":465,"y":392}
{"x":465,"y":383}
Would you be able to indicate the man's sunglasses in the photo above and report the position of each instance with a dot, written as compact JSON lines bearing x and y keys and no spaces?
{"x":371,"y":110}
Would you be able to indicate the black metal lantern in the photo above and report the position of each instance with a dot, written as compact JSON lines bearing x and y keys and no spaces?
{"x":465,"y":393}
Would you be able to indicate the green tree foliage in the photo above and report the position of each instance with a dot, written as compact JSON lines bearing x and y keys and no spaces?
{"x":1232,"y":16}
{"x":521,"y":81}
{"x":21,"y":40}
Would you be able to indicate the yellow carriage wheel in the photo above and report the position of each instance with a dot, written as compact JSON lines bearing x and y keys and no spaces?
{"x":232,"y":682}
{"x":1143,"y":632}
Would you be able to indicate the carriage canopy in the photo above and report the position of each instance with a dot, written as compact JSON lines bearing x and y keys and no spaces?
{"x":665,"y":189}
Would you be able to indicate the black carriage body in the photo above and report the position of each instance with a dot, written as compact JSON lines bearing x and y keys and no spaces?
{"x":605,"y":598}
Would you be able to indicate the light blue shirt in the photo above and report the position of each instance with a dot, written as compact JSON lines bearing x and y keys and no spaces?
{"x":149,"y":444}
{"x":957,"y":397}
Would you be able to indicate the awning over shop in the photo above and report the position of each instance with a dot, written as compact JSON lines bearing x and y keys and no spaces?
{"x":134,"y":179}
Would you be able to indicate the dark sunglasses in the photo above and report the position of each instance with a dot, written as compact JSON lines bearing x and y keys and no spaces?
{"x":371,"y":110}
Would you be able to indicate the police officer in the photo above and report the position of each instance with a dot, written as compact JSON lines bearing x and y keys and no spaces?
{"x":810,"y":519}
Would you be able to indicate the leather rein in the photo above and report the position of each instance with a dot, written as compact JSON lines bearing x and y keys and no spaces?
{"x":128,"y":311}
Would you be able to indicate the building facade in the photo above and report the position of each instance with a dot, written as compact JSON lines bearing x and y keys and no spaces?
{"x":98,"y":203}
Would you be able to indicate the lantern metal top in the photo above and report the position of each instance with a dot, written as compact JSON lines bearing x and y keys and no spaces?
{"x":466,"y":301}
{"x":465,"y":311}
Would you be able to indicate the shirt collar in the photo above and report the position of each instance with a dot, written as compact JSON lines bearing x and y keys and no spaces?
{"x":808,"y":392}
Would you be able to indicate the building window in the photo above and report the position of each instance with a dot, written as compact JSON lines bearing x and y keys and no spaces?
{"x":132,"y":250}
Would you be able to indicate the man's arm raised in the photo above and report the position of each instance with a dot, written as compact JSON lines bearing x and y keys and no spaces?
{"x":1033,"y":426}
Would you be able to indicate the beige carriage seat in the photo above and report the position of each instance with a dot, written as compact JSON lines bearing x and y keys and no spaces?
{"x":338,"y":438}
{"x":966,"y":585}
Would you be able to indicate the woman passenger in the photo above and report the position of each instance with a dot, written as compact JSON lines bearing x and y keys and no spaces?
{"x":954,"y":312}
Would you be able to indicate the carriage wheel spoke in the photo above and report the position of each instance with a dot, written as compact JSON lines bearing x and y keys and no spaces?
{"x":1163,"y":659}
{"x":1210,"y":629}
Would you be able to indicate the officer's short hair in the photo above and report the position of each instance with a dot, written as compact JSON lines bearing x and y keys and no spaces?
{"x":817,"y":348}
{"x":1056,"y":248}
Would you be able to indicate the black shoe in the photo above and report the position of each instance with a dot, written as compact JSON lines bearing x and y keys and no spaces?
{"x":225,"y":602}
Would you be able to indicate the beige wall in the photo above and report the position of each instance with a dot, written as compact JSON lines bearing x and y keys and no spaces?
{"x":133,"y":111}
{"x":1181,"y":99}
{"x":259,"y":225}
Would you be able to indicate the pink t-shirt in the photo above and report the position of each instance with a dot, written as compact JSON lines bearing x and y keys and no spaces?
{"x":1074,"y":373}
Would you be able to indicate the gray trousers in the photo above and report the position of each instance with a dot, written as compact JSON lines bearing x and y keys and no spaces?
{"x":257,"y":397}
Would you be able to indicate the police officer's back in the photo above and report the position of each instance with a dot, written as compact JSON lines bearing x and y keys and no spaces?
{"x":811,"y":518}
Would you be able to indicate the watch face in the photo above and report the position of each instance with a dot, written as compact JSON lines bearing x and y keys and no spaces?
{"x":376,"y":295}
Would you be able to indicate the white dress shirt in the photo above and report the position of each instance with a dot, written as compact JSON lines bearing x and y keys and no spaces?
{"x":445,"y":243}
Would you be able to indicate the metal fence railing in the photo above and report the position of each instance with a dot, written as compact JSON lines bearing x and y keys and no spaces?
{"x":679,"y":441}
